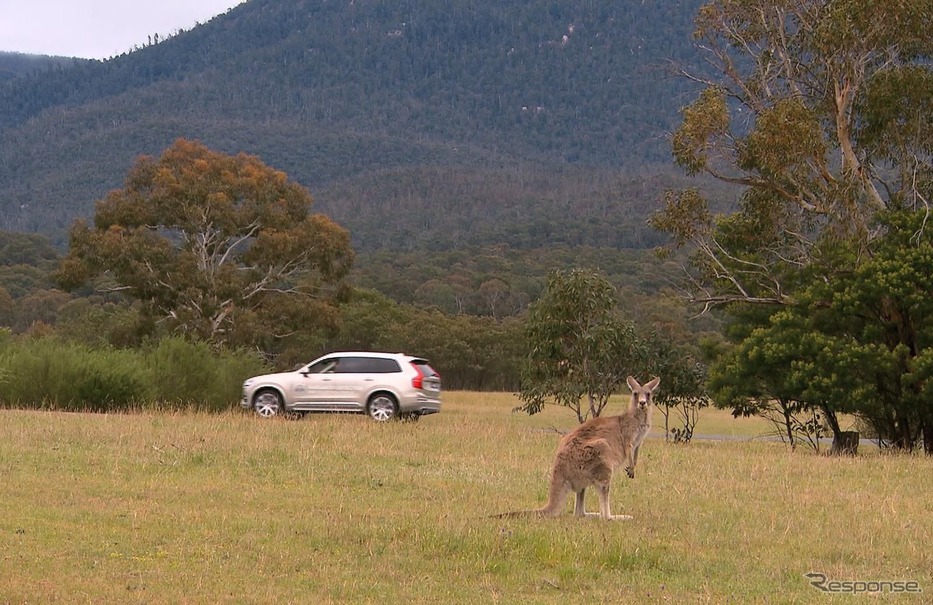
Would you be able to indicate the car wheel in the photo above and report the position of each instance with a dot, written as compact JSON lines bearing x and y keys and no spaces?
{"x":268,"y":403}
{"x":382,"y":407}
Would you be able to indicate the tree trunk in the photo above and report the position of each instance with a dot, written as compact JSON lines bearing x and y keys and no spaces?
{"x":928,"y":438}
{"x":845,"y":443}
{"x":903,"y":438}
{"x":838,"y":433}
{"x":788,"y":425}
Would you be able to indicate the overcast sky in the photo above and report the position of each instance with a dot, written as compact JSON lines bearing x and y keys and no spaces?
{"x":97,"y":29}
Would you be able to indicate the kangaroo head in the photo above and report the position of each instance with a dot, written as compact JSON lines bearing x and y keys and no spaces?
{"x":641,"y":394}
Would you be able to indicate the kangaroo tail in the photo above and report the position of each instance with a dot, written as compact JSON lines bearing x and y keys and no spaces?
{"x":557,"y":495}
{"x":556,"y":498}
{"x":517,"y":514}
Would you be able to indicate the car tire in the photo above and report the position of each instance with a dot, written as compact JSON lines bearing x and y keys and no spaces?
{"x":382,"y":407}
{"x":268,"y":403}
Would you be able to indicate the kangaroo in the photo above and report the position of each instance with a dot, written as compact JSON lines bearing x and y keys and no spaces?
{"x":590,"y":453}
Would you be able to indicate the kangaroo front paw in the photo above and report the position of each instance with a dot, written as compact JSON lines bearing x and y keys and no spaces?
{"x":630,"y":472}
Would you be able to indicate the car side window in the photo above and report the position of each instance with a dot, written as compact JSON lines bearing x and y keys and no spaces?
{"x":325,"y":366}
{"x":384,"y":366}
{"x":367,"y":365}
{"x":353,"y":365}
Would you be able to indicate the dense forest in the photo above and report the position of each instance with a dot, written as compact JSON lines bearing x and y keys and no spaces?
{"x":501,"y":120}
{"x":13,"y":65}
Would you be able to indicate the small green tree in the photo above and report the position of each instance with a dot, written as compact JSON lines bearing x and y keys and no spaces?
{"x":775,"y":374}
{"x":683,"y":387}
{"x":580,"y":349}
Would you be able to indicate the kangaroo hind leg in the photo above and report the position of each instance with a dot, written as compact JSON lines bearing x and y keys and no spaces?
{"x":578,"y":508}
{"x":604,"y":513}
{"x":603,"y":491}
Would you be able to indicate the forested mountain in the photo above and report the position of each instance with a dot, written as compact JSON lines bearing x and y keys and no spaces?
{"x":416,"y":124}
{"x":18,"y":64}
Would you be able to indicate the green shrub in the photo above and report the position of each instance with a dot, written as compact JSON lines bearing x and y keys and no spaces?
{"x":52,"y":373}
{"x":48,"y":372}
{"x":109,"y":389}
{"x":188,"y":373}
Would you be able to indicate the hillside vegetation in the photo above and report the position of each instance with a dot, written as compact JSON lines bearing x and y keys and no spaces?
{"x":13,"y":65}
{"x":532,"y":123}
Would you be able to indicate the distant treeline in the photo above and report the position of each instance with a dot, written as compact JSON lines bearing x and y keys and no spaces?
{"x":463,"y":310}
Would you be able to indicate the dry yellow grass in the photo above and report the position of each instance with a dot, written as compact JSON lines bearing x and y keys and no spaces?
{"x":194,"y":508}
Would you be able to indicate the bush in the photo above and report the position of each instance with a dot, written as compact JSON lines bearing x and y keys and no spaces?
{"x":193,"y":373}
{"x":107,"y":389}
{"x":51,"y":373}
{"x":47,"y":372}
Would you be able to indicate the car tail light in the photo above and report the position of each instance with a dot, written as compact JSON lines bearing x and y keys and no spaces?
{"x":418,"y":381}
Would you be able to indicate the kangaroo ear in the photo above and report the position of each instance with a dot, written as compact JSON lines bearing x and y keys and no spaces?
{"x":651,"y":386}
{"x":632,"y":383}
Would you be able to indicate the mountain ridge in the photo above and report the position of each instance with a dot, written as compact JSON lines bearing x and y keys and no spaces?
{"x":377,"y":100}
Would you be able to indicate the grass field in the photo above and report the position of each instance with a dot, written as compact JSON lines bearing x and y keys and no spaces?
{"x":196,"y":508}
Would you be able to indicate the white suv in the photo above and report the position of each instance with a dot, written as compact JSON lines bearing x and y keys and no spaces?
{"x":384,"y":385}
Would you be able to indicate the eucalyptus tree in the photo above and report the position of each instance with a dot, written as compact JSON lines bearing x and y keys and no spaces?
{"x":220,"y":247}
{"x":819,"y":110}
